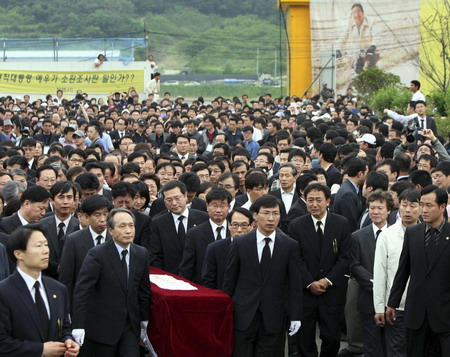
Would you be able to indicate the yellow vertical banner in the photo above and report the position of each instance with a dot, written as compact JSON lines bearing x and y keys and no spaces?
{"x":14,"y":81}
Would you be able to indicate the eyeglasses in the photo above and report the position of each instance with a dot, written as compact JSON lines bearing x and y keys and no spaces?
{"x":76,"y":160}
{"x":227,"y":187}
{"x":237,"y":225}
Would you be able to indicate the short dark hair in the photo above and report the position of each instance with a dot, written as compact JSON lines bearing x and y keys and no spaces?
{"x":35,"y":194}
{"x":136,"y":154}
{"x":94,"y":203}
{"x":328,"y":151}
{"x":441,"y":194}
{"x":43,"y":168}
{"x":231,"y":175}
{"x":88,"y":180}
{"x":243,"y":211}
{"x":17,"y":160}
{"x":268,"y":201}
{"x":114,"y":211}
{"x":142,"y":190}
{"x":403,"y":161}
{"x":355,"y":165}
{"x":18,"y":240}
{"x":377,"y":180}
{"x":62,"y":188}
{"x":400,"y":186}
{"x":416,"y":83}
{"x":95,"y":165}
{"x":317,"y":187}
{"x":129,"y":168}
{"x":255,"y":179}
{"x":174,"y":184}
{"x":218,"y":194}
{"x":122,"y":189}
{"x":444,"y":167}
{"x":410,"y":195}
{"x":191,"y":180}
{"x":421,"y":177}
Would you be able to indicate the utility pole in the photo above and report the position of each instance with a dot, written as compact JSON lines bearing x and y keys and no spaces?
{"x":257,"y":62}
{"x":275,"y":66}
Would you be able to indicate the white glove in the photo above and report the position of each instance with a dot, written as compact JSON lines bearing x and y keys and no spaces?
{"x":295,"y":326}
{"x":78,"y":335}
{"x":144,"y":325}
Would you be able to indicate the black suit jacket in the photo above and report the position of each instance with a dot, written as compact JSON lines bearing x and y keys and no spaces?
{"x":115,"y":137}
{"x":197,"y":240}
{"x":331,"y":262}
{"x":333,"y":175}
{"x":53,"y":138}
{"x":242,"y":198}
{"x":102,"y":301}
{"x":298,"y":209}
{"x":9,"y":224}
{"x":428,"y":293}
{"x":215,"y":263}
{"x":284,"y":223}
{"x":19,"y":327}
{"x":347,"y":203}
{"x":143,"y":228}
{"x":76,"y":246}
{"x":158,"y":206}
{"x":361,"y":265}
{"x":107,"y":193}
{"x":166,"y":249}
{"x":4,"y":262}
{"x":54,"y":245}
{"x":278,"y":295}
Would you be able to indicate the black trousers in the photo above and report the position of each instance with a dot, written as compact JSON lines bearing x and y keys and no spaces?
{"x":127,"y":346}
{"x":257,"y":342}
{"x":425,"y":342}
{"x":395,"y":336}
{"x":329,"y":319}
{"x":373,"y":336}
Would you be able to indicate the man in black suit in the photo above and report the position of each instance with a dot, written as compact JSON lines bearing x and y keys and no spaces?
{"x":198,"y":238}
{"x":119,"y":132}
{"x":192,"y":183}
{"x":60,"y":223}
{"x":94,"y":209}
{"x":347,"y":202}
{"x":380,"y":204}
{"x":112,"y":294}
{"x":425,"y":261}
{"x":34,"y":309}
{"x":123,"y":194}
{"x":324,"y":241}
{"x":47,"y":137}
{"x":299,"y":208}
{"x":169,"y":228}
{"x":33,"y":203}
{"x":327,"y":154}
{"x":240,"y":222}
{"x":98,"y":169}
{"x":424,"y":121}
{"x":287,"y":194}
{"x":230,"y":182}
{"x":264,"y":280}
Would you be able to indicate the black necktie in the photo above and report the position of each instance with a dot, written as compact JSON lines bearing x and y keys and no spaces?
{"x":61,"y":230}
{"x":182,"y":158}
{"x":99,"y":239}
{"x":181,"y":230}
{"x":265,"y":257}
{"x":422,"y":123}
{"x":124,"y":265}
{"x":319,"y":234}
{"x":219,"y":236}
{"x":378,"y":233}
{"x":42,"y":311}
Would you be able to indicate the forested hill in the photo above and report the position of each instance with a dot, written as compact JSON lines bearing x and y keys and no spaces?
{"x":206,"y":35}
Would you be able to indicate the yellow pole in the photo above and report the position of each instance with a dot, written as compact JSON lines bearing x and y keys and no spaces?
{"x":299,"y":65}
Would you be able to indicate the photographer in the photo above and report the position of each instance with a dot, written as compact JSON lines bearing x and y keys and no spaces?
{"x":426,"y":135}
{"x":416,"y":110}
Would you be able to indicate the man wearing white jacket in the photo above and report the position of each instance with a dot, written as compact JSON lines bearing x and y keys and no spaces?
{"x":387,"y":255}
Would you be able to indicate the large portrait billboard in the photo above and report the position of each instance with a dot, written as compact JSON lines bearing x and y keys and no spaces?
{"x":350,"y":36}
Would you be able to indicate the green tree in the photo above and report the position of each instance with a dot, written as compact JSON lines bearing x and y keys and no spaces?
{"x":372,"y":80}
{"x":392,"y":97}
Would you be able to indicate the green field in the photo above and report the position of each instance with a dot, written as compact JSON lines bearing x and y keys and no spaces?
{"x":210,"y":91}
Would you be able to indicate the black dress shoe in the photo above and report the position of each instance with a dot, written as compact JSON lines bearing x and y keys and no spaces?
{"x":346,"y":353}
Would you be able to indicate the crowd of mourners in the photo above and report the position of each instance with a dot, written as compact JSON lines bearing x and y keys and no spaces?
{"x":346,"y":209}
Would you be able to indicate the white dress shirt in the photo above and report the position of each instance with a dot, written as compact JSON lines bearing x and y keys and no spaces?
{"x":30,"y":281}
{"x":95,"y":235}
{"x":22,"y":220}
{"x":185,"y":220}
{"x":223,"y":232}
{"x":260,"y":243}
{"x":387,"y":256}
{"x":376,"y":229}
{"x":66,"y":224}
{"x":287,"y":198}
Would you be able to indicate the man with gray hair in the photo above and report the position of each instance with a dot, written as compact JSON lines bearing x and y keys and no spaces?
{"x":11,"y":190}
{"x":118,"y":268}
